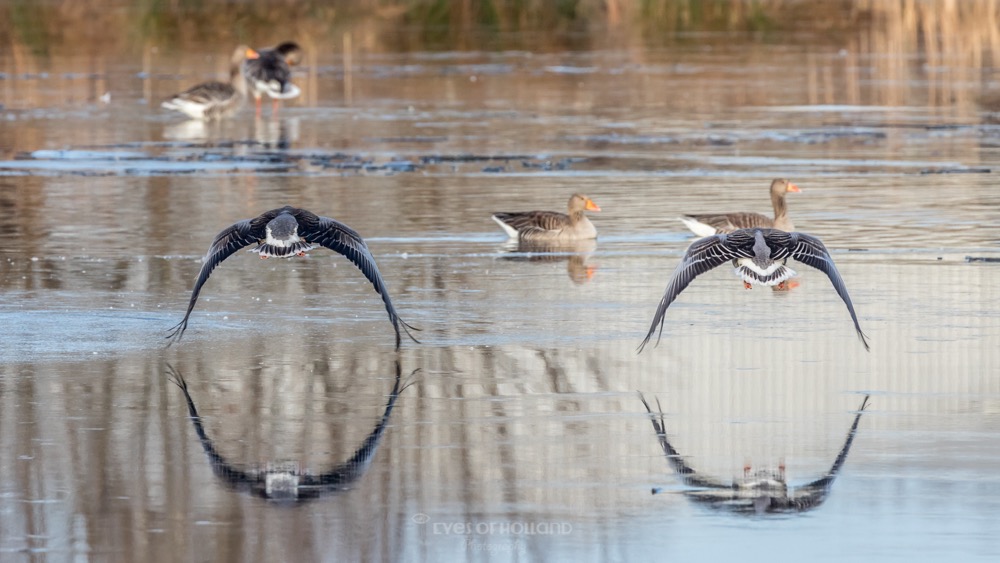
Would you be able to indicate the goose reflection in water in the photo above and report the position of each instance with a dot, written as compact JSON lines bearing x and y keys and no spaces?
{"x":764,"y":491}
{"x":575,"y":253}
{"x":287,"y":482}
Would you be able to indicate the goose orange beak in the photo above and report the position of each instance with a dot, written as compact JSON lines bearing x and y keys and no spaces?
{"x":251,"y":54}
{"x":792,"y":188}
{"x":591,"y":206}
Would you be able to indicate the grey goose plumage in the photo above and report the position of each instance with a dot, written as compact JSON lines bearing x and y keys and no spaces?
{"x":214,"y":100}
{"x":268,"y":71}
{"x":551,"y":225}
{"x":707,"y":224}
{"x":759,"y":256}
{"x":287,"y":232}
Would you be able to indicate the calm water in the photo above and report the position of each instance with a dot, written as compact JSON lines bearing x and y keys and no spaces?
{"x":515,"y":431}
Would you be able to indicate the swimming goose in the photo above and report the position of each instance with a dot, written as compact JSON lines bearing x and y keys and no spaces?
{"x":551,"y":225}
{"x":214,"y":100}
{"x":709,"y":224}
{"x":267,"y":72}
{"x":285,"y":233}
{"x":759,"y":256}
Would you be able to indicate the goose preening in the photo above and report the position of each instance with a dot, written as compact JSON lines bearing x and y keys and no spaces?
{"x":268,"y":72}
{"x":708,"y":224}
{"x":759,"y":256}
{"x":214,"y":100}
{"x":761,"y":491}
{"x":551,"y":225}
{"x":285,"y":233}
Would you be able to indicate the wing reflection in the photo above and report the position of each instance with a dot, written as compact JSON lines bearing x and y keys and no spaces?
{"x":575,"y":253}
{"x":289,"y":483}
{"x":764,"y":491}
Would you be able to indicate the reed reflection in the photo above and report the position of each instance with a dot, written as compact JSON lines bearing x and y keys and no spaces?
{"x":575,"y":253}
{"x":288,"y":482}
{"x":757,"y":492}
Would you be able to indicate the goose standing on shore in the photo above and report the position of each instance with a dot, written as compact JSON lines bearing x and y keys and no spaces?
{"x":551,"y":225}
{"x":268,"y":71}
{"x":285,"y":233}
{"x":759,"y":256}
{"x":708,"y":224}
{"x":214,"y":100}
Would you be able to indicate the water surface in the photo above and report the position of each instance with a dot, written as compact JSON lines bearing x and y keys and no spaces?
{"x":520,"y":435}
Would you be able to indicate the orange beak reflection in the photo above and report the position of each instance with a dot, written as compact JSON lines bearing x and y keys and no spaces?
{"x":591,"y":206}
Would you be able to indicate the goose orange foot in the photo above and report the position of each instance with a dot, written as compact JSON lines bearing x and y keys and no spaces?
{"x":747,"y":285}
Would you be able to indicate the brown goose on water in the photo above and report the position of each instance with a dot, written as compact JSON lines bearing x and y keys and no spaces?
{"x":214,"y":100}
{"x":551,"y":225}
{"x":285,"y":233}
{"x":759,"y":256}
{"x":708,"y":224}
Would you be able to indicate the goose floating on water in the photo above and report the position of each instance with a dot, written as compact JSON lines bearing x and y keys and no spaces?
{"x":214,"y":100}
{"x":551,"y":225}
{"x":285,"y":233}
{"x":759,"y":256}
{"x":708,"y":224}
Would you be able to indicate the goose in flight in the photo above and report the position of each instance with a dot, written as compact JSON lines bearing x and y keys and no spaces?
{"x":285,"y":233}
{"x":551,"y":225}
{"x":759,"y":256}
{"x":708,"y":224}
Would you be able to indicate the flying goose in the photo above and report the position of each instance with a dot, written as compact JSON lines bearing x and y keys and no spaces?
{"x":285,"y":233}
{"x":214,"y":100}
{"x":268,"y":72}
{"x":759,"y":256}
{"x":551,"y":225}
{"x":708,"y":224}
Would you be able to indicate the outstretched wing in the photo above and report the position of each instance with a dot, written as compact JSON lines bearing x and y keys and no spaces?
{"x":814,"y":493}
{"x":810,"y":251}
{"x":687,"y":473}
{"x":703,"y":255}
{"x":227,"y":242}
{"x":340,"y":238}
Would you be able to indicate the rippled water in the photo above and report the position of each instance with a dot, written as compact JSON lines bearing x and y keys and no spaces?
{"x":516,"y":431}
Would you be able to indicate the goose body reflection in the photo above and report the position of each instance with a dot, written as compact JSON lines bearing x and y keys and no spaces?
{"x":551,"y":225}
{"x":288,"y":482}
{"x":708,"y":224}
{"x":761,"y":491}
{"x":760,"y":257}
{"x":288,"y":232}
{"x":575,"y":253}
